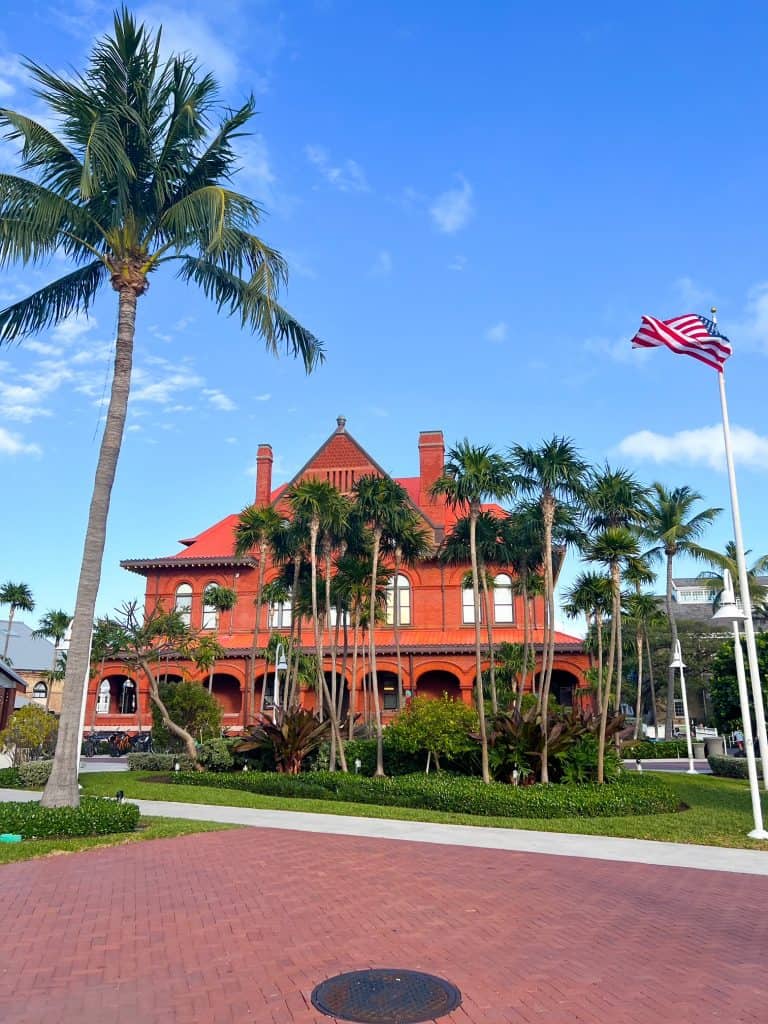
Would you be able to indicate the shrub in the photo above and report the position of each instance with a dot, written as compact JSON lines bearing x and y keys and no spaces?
{"x":292,"y":737}
{"x":215,"y":756}
{"x":159,"y":762}
{"x":30,"y":731}
{"x":659,"y":749}
{"x":35,"y":773}
{"x":9,"y":778}
{"x":578,"y":763}
{"x":441,"y":727}
{"x":630,"y":794}
{"x":190,"y":706}
{"x":94,"y":816}
{"x":732,"y":767}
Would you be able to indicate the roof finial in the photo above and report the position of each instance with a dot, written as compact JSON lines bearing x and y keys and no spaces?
{"x":341,"y":423}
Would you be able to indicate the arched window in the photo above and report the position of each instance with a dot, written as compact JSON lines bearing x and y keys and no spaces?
{"x":210,"y":612}
{"x":503,"y":601}
{"x":105,"y":694}
{"x":399,"y":598}
{"x":280,"y":615}
{"x":468,"y":605}
{"x":128,"y":697}
{"x":184,"y":603}
{"x":40,"y":691}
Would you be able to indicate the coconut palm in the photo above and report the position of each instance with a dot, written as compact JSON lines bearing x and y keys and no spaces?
{"x":412,"y":544}
{"x":18,"y":597}
{"x":470,"y":474}
{"x":221,"y":599}
{"x":522,"y":537}
{"x":384,"y":505}
{"x":552,"y":474}
{"x":642,"y":610}
{"x":671,"y":527}
{"x":53,"y":626}
{"x":256,"y":531}
{"x":758,"y":593}
{"x":590,"y":596}
{"x":612,"y":547}
{"x":313,"y":502}
{"x":135,"y":180}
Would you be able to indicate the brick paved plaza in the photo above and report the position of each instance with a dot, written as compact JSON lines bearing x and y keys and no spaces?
{"x":239,"y":926}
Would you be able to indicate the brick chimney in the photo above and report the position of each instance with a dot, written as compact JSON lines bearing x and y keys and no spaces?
{"x":431,"y":463}
{"x":264,"y":460}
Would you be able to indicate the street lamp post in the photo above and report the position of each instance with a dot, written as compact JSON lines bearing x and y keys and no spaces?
{"x":728,"y":611}
{"x":281,"y":665}
{"x":677,"y":662}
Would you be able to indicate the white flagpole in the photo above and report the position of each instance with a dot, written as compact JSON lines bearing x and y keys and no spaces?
{"x":746,"y":603}
{"x":758,"y":832}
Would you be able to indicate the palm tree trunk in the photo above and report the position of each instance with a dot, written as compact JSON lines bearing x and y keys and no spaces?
{"x":61,"y":789}
{"x":670,"y":713}
{"x":295,"y":647}
{"x":526,"y":645}
{"x":398,"y":657}
{"x":255,"y":643}
{"x":355,"y":641}
{"x":489,"y":630}
{"x":599,"y":631}
{"x":333,"y":633}
{"x":548,"y":516}
{"x":652,"y":686}
{"x":473,"y":514}
{"x":615,"y":612}
{"x":372,"y":640}
{"x":323,"y":694}
{"x":53,"y":673}
{"x":11,"y":613}
{"x":638,"y":706}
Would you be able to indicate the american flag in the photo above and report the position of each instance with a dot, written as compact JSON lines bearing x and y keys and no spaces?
{"x":689,"y":335}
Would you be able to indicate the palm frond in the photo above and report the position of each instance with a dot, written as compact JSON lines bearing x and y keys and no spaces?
{"x":35,"y":222}
{"x":70,"y":294}
{"x":59,"y":169}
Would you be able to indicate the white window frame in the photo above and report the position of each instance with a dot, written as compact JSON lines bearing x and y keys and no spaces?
{"x":468,"y":606}
{"x":210,"y":614}
{"x":104,"y":697}
{"x":183,"y":603}
{"x":403,"y":585}
{"x":40,"y":696}
{"x":344,"y":618}
{"x":280,"y":615}
{"x":503,"y":611}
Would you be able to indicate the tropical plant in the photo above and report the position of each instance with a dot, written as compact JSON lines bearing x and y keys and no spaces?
{"x":440,"y":727}
{"x":723,"y":688}
{"x":413,"y":543}
{"x":293,"y":736}
{"x":257,"y":529}
{"x":641,"y":610}
{"x":513,"y":663}
{"x":53,"y":626}
{"x":590,"y":596}
{"x":758,"y":592}
{"x":671,"y":527}
{"x":315,"y":502}
{"x":17,"y":596}
{"x":221,"y":599}
{"x":382,"y":504}
{"x":470,"y":474}
{"x":552,"y":474}
{"x":135,"y":180}
{"x":522,"y":537}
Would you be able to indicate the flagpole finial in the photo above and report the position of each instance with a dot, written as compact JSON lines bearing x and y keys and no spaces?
{"x":713,"y":311}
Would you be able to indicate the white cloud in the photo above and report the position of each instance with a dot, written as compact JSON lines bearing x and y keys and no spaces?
{"x":163,"y":391}
{"x":185,"y":32}
{"x":219,"y":400}
{"x":233,"y":440}
{"x":618,"y":350}
{"x":692,"y":295}
{"x":72,"y":328}
{"x":348,"y":176}
{"x":752,"y":330}
{"x":262,"y":398}
{"x":452,"y":210}
{"x":498,"y":332}
{"x":702,"y":446}
{"x":42,"y":348}
{"x":458,"y":263}
{"x":13,"y":444}
{"x":382,"y":265}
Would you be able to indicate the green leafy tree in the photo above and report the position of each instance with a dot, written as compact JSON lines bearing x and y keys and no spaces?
{"x":53,"y":626}
{"x":136,"y":179}
{"x":192,"y":708}
{"x":723,"y":688}
{"x":590,"y":596}
{"x":472,"y":473}
{"x":17,"y":596}
{"x":672,"y":528}
{"x":31,"y":732}
{"x":441,"y":727}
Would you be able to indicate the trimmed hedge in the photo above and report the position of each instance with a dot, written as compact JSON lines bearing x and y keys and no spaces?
{"x":94,"y":817}
{"x":631,"y":794}
{"x":659,"y":750}
{"x":35,"y":773}
{"x":159,"y":762}
{"x":9,"y":778}
{"x":732,"y":767}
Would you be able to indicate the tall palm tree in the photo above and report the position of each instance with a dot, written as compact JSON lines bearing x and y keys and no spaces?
{"x":53,"y":626}
{"x":333,"y":538}
{"x":134,"y":181}
{"x":256,"y":530}
{"x":642,"y":610}
{"x":590,"y":596}
{"x":222,"y":599}
{"x":672,"y":528}
{"x":612,"y":547}
{"x":758,"y":593}
{"x":18,"y":597}
{"x":412,"y":544}
{"x":313,"y":502}
{"x":384,"y":505}
{"x":522,"y":538}
{"x":552,"y":474}
{"x":470,"y":474}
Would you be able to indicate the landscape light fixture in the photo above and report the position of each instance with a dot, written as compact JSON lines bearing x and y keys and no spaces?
{"x":678,"y":663}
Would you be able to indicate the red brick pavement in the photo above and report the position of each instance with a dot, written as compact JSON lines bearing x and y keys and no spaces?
{"x":239,"y":926}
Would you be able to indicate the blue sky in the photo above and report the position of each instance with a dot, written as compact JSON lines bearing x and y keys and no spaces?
{"x":476,"y":206}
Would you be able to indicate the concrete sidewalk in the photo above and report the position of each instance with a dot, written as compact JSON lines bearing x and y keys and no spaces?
{"x":631,"y":851}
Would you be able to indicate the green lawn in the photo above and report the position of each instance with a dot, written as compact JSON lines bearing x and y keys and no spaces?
{"x":718,"y":811}
{"x":149,"y":828}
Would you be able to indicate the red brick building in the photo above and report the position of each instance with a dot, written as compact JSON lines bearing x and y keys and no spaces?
{"x":436,"y":612}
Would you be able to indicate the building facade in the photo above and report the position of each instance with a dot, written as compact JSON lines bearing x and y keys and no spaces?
{"x":435,"y":609}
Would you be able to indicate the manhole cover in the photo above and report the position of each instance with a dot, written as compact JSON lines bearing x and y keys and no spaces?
{"x":386,"y":996}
